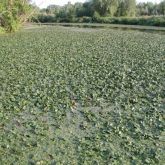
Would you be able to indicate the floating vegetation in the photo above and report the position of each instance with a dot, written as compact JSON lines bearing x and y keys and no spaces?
{"x":82,"y":97}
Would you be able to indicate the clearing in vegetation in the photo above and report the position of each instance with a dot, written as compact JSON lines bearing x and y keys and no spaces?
{"x":82,"y":96}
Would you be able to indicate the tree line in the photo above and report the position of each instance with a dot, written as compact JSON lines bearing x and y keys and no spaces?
{"x":100,"y":8}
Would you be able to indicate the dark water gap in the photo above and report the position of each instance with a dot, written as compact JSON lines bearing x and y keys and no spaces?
{"x":119,"y":27}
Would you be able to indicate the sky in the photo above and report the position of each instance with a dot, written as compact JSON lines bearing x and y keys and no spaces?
{"x":45,"y":3}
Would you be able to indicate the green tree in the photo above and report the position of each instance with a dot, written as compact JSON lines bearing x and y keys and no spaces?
{"x":51,"y":9}
{"x":162,"y":7}
{"x":66,"y":13}
{"x":79,"y":10}
{"x":128,"y":8}
{"x":106,"y":7}
{"x":146,"y":9}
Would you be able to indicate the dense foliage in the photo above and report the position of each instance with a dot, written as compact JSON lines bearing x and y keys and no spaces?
{"x":82,"y":96}
{"x":13,"y":13}
{"x":150,"y":8}
{"x":94,"y":9}
{"x":146,"y":21}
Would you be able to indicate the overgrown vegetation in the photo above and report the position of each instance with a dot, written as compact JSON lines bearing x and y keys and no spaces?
{"x":103,"y":11}
{"x":13,"y":13}
{"x":82,"y":96}
{"x":146,"y":21}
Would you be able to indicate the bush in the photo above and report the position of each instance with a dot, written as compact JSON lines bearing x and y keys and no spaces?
{"x":45,"y":18}
{"x":2,"y":30}
{"x":10,"y":24}
{"x":146,"y":21}
{"x":84,"y":20}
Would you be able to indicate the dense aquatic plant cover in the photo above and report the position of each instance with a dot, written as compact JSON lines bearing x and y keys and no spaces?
{"x":82,"y":96}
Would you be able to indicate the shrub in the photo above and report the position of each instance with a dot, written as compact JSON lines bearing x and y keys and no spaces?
{"x":2,"y":30}
{"x":147,"y":21}
{"x":10,"y":24}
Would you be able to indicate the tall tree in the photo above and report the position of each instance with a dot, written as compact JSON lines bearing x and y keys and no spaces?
{"x":146,"y":8}
{"x":128,"y":7}
{"x":162,"y":7}
{"x":106,"y":7}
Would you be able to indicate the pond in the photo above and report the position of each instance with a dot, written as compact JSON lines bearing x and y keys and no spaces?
{"x":148,"y":29}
